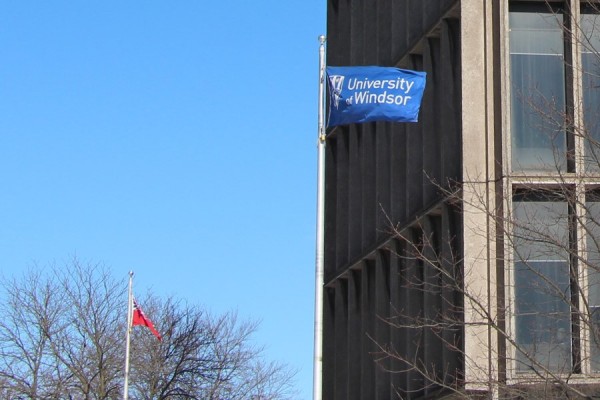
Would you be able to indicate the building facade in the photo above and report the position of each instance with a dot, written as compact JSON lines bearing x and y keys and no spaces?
{"x":461,"y":252}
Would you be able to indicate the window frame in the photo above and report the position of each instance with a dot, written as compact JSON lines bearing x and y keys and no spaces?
{"x":567,"y":156}
{"x":578,"y":180}
{"x":550,"y":195}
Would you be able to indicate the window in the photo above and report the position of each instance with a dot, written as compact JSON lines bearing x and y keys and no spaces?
{"x":593,"y":273}
{"x":590,"y":63}
{"x":538,"y":91}
{"x":542,"y":283}
{"x":554,"y":155}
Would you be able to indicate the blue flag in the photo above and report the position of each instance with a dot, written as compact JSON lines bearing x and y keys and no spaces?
{"x":366,"y":94}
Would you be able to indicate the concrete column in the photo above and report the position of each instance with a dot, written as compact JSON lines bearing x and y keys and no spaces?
{"x":341,"y":340}
{"x":478,"y":195}
{"x":382,"y":327}
{"x":354,"y":333}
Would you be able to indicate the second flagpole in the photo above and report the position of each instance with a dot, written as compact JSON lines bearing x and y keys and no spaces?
{"x":127,"y":335}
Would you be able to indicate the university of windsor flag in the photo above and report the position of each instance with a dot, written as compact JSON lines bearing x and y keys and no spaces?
{"x":371,"y":93}
{"x":139,"y":318}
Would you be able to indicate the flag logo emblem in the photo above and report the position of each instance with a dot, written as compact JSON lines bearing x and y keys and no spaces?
{"x":336,"y":84}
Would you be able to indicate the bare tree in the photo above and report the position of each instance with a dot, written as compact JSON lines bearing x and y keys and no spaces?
{"x":550,"y":305}
{"x":28,"y":368}
{"x":90,"y":345}
{"x":62,"y":336}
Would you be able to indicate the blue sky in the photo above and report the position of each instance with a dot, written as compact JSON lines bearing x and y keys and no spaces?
{"x":176,"y":139}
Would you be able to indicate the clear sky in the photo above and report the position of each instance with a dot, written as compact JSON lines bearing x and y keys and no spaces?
{"x":173,"y":138}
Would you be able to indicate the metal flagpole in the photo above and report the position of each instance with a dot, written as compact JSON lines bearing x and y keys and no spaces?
{"x":318,"y":351}
{"x":129,"y":316}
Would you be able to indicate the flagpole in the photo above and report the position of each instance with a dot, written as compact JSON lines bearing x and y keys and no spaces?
{"x":127,"y":336}
{"x":318,"y":350}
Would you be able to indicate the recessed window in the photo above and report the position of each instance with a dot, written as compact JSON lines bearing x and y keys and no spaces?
{"x":542,"y":293}
{"x":592,"y":229}
{"x":537,"y":91}
{"x":590,"y":45}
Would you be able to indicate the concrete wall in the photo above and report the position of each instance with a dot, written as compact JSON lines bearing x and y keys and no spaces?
{"x":380,"y":175}
{"x":378,"y":32}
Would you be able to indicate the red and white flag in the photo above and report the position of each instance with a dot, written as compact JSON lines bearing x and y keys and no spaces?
{"x":139,"y":318}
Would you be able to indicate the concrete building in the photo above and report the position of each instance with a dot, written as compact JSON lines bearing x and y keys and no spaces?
{"x":461,"y":252}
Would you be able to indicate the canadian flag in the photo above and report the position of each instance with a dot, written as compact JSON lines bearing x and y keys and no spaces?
{"x":139,"y":318}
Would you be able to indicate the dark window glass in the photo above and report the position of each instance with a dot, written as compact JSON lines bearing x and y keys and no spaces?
{"x":542,"y":285}
{"x":593,"y":274}
{"x":590,"y":45}
{"x":538,"y":91}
